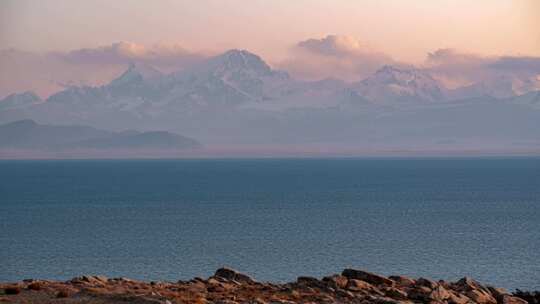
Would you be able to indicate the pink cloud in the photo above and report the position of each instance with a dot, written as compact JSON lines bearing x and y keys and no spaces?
{"x":334,"y":56}
{"x":46,"y":73}
{"x":457,"y":68}
{"x":161,"y":55}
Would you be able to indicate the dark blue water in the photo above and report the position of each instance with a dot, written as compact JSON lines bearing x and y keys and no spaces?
{"x":274,"y":219}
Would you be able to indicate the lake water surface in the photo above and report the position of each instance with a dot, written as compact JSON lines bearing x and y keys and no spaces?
{"x":274,"y":219}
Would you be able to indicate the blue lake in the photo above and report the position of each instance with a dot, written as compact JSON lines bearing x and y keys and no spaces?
{"x":274,"y":219}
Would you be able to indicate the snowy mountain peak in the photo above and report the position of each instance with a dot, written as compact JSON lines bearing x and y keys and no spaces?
{"x":391,"y":74}
{"x":240,"y":60}
{"x":391,"y":83}
{"x":136,"y":72}
{"x":499,"y":86}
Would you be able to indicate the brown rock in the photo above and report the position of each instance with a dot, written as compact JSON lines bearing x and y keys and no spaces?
{"x":427,"y":283}
{"x":367,"y":277}
{"x":212,"y":281}
{"x":481,"y":297}
{"x":439,"y":294}
{"x":421,"y":293}
{"x":529,"y":296}
{"x":196,"y":285}
{"x":281,"y":301}
{"x":34,"y":286}
{"x":403,"y":281}
{"x":90,"y":280}
{"x":62,"y":294}
{"x":229,"y":286}
{"x":395,"y":293}
{"x":231,"y":274}
{"x":336,"y":281}
{"x":100,"y":278}
{"x":468,"y":284}
{"x":497,"y":293}
{"x":359,"y":285}
{"x":385,"y":300}
{"x":215,"y":288}
{"x":508,"y":299}
{"x":344,"y":293}
{"x":458,"y":299}
{"x":12,"y":290}
{"x":225,"y":301}
{"x":308,"y":281}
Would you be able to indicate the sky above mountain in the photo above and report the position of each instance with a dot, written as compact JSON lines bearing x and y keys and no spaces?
{"x":52,"y":44}
{"x":505,"y":26}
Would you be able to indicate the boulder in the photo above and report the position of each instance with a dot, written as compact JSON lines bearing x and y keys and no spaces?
{"x":231,"y":274}
{"x":458,"y":299}
{"x":62,"y":294}
{"x":344,"y":293}
{"x":34,"y":286}
{"x":439,"y":294}
{"x":101,"y":278}
{"x":359,"y":285}
{"x":12,"y":290}
{"x":403,"y":281}
{"x":468,"y":284}
{"x":369,"y":277}
{"x":395,"y":293}
{"x":310,"y":282}
{"x":481,"y":297}
{"x":336,"y":281}
{"x":90,"y":280}
{"x":420,"y":293}
{"x":508,"y":299}
{"x":427,"y":283}
{"x":533,"y":297}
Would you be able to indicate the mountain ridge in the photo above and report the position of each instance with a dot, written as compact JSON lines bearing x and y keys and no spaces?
{"x":238,"y":76}
{"x":27,"y":134}
{"x":237,"y":98}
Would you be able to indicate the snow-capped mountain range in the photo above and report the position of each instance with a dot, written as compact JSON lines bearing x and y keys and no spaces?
{"x":390,"y":84}
{"x":238,"y":77}
{"x":237,"y":97}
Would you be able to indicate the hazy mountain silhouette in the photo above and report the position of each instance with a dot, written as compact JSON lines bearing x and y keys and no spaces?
{"x":28,"y":134}
{"x":237,"y":98}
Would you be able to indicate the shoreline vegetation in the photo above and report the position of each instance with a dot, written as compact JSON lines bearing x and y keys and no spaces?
{"x":228,"y":286}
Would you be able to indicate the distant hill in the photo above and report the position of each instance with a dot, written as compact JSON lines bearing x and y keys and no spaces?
{"x":31,"y":135}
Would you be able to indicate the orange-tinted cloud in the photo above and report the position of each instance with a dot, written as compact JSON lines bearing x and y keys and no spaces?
{"x":167,"y":56}
{"x":334,"y":56}
{"x":456,"y":68}
{"x":49,"y":72}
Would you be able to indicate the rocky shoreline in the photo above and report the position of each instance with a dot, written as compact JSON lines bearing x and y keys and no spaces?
{"x":228,"y":286}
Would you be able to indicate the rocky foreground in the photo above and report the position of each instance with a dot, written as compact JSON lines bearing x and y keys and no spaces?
{"x":228,"y":286}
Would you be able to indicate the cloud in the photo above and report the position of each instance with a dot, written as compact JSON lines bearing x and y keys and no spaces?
{"x":334,"y":56}
{"x":47,"y":73}
{"x":160,"y":55}
{"x":452,"y":57}
{"x":334,"y":45}
{"x":331,"y":56}
{"x":457,"y":68}
{"x":517,"y":64}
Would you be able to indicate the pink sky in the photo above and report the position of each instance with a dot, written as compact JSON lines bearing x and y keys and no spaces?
{"x":307,"y":37}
